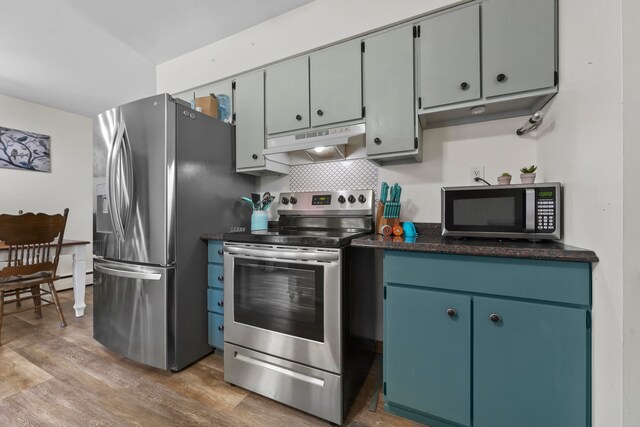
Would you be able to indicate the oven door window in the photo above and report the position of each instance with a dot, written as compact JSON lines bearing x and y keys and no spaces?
{"x":280,"y":297}
{"x":486,"y":210}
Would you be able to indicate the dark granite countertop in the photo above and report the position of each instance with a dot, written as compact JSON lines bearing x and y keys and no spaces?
{"x":212,"y":236}
{"x":430,"y":240}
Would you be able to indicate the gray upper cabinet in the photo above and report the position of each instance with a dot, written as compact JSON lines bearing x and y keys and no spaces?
{"x":322,"y":88}
{"x":248,"y":100}
{"x":336,"y":84}
{"x":287,"y":95}
{"x":518,"y":45}
{"x":388,"y":71}
{"x":450,"y":57}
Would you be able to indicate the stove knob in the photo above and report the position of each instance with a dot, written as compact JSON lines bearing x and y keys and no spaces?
{"x":341,"y":199}
{"x":293,"y":200}
{"x":285,"y":201}
{"x":352,"y":199}
{"x":361,"y":198}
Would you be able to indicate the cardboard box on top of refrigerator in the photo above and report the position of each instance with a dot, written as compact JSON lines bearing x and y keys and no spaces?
{"x":208,"y":105}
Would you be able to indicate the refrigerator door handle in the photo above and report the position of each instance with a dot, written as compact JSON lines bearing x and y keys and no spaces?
{"x":127,"y":273}
{"x":113,"y":148}
{"x":114,"y":180}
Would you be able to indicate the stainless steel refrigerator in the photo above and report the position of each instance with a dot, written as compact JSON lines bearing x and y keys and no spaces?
{"x":163,"y":174}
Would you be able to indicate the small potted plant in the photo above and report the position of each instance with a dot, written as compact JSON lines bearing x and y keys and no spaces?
{"x":528,"y":175}
{"x":504,"y":179}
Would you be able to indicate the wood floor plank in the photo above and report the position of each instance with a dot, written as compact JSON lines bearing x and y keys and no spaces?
{"x":17,"y":373}
{"x":66,"y":378}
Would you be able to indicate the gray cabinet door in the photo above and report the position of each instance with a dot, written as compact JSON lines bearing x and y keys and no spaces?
{"x":287,"y":95}
{"x":336,"y":84}
{"x":388,"y":91}
{"x":450,"y":57}
{"x":249,"y":109}
{"x":518,"y":45}
{"x":219,"y":89}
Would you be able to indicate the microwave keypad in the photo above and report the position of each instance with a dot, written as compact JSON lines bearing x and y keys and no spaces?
{"x":546,"y":215}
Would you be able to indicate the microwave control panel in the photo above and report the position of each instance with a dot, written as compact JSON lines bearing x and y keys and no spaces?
{"x":546,"y":219}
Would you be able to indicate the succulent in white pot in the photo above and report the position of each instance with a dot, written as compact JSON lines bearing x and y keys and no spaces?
{"x":528,"y":175}
{"x":504,"y":179}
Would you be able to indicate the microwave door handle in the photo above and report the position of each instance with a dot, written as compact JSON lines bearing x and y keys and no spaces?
{"x":530,"y":209}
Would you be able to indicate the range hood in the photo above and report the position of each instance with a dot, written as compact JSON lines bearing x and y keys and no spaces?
{"x":319,"y":145}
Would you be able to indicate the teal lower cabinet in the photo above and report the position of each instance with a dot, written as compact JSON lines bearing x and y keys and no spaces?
{"x":468,"y":342}
{"x":215,"y":294}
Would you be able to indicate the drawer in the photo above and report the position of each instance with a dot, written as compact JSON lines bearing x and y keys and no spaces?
{"x":215,"y":251}
{"x":215,"y":276}
{"x":557,"y":281}
{"x":215,"y":300}
{"x":216,"y":330}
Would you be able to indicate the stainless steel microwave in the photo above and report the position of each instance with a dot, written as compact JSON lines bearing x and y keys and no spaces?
{"x":523,"y":211}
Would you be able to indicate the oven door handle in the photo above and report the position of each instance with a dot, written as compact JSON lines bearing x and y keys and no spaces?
{"x":287,"y":255}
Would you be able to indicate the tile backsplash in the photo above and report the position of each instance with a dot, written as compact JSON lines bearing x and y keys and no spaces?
{"x":333,"y":176}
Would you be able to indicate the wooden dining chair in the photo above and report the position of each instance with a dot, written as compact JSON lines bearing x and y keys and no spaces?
{"x":34,"y":242}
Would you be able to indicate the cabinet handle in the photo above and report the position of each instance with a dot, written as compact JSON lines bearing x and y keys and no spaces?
{"x":378,"y":141}
{"x":221,"y":328}
{"x":320,"y":112}
{"x":451,"y":312}
{"x":254,"y":156}
{"x":464,"y":86}
{"x":220,"y":278}
{"x":220,"y":252}
{"x":495,"y":318}
{"x":220,"y":303}
{"x":298,"y":117}
{"x":501,"y":78}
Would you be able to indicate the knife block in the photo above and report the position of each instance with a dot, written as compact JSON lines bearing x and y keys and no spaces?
{"x":382,"y":221}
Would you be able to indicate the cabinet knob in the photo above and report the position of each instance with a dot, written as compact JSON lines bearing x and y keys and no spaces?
{"x":378,"y":141}
{"x":298,"y":117}
{"x":320,"y":112}
{"x":220,"y":303}
{"x":451,"y":312}
{"x":501,"y":77}
{"x":464,"y":86}
{"x":254,"y":156}
{"x":220,"y":252}
{"x":220,"y":278}
{"x":221,"y":328}
{"x":495,"y":318}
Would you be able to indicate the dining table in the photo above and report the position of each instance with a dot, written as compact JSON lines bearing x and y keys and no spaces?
{"x":76,"y":248}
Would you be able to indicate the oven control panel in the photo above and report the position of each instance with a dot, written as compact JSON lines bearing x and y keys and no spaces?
{"x":347,"y":202}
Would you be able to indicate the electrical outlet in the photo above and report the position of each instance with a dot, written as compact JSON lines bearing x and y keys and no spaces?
{"x":476,"y":172}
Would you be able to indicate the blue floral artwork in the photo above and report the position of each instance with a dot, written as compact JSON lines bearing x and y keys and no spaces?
{"x":24,"y":150}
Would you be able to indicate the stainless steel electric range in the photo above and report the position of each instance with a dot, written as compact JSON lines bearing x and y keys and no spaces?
{"x":300,"y":309}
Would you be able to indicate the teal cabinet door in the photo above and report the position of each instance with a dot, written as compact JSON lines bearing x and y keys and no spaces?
{"x":215,"y":294}
{"x":531,"y":364}
{"x":427,"y":352}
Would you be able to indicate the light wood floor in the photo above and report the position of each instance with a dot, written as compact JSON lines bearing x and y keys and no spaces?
{"x":63,"y":377}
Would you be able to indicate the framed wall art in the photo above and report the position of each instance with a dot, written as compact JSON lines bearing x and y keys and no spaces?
{"x":20,"y":149}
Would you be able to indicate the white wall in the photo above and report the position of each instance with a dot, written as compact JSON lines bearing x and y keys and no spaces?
{"x":631,"y":225}
{"x":68,"y":185}
{"x":579,"y":144}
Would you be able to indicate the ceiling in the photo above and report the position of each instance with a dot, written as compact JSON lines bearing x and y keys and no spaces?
{"x":86,"y":56}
